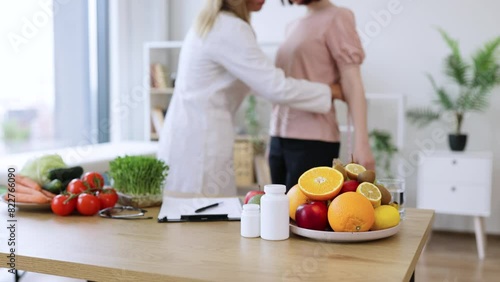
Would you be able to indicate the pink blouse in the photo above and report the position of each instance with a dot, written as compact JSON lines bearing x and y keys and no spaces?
{"x":314,"y":49}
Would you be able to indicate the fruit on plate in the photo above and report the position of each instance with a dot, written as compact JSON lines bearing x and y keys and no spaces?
{"x":250,"y":194}
{"x":296,"y":198}
{"x":385,"y":217}
{"x":349,"y":186}
{"x":366,"y":176}
{"x":386,"y":195}
{"x":351,"y":212}
{"x":255,"y":199}
{"x":371,"y":192}
{"x":337,"y":164}
{"x":312,"y":215}
{"x":321,"y":183}
{"x":353,"y":169}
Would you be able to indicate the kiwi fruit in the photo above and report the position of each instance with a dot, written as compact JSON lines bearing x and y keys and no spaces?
{"x":337,"y":165}
{"x":386,"y":195}
{"x":366,"y":176}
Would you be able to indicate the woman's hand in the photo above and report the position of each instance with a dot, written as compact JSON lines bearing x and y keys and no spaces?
{"x":337,"y":92}
{"x":363,"y":155}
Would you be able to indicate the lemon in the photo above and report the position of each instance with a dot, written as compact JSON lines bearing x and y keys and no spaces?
{"x":385,"y":217}
{"x":371,"y":192}
{"x":353,"y":170}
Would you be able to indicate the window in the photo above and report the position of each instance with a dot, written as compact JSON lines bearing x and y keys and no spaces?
{"x":53,"y":74}
{"x":26,"y":76}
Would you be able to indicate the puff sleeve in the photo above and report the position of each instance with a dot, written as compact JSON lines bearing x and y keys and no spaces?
{"x":343,"y":40}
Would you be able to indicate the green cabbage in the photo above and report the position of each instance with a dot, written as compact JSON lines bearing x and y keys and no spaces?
{"x":38,"y":169}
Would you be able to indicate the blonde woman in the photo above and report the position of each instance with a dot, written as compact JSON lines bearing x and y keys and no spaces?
{"x":322,"y":46}
{"x":220,"y":62}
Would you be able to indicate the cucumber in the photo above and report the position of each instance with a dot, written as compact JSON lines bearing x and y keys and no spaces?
{"x":55,"y":186}
{"x":66,"y":174}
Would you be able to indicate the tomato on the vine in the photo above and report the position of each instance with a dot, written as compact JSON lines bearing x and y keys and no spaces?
{"x":87,"y":204}
{"x":107,"y":197}
{"x":76,"y":186}
{"x":62,"y":205}
{"x":94,"y":179}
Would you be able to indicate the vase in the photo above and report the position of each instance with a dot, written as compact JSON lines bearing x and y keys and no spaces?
{"x":457,"y":142}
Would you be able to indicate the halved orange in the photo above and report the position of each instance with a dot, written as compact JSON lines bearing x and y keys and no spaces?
{"x":353,"y":170}
{"x":371,"y":192}
{"x":321,"y":183}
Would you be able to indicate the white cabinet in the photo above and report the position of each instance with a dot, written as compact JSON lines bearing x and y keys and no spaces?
{"x":457,"y":183}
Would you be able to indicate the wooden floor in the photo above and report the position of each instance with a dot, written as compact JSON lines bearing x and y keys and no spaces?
{"x":452,"y":257}
{"x":448,"y":257}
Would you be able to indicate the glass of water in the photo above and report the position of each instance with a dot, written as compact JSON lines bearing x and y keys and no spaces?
{"x":397,"y":189}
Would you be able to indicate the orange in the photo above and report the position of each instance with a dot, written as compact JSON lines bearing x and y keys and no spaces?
{"x":296,"y":198}
{"x":351,"y":212}
{"x":321,"y":183}
{"x":371,"y":192}
{"x":353,"y":170}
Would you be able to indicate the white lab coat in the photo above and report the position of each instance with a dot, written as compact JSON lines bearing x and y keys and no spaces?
{"x":214,"y":75}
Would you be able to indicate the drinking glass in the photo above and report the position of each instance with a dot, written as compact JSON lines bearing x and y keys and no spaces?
{"x":397,"y":189}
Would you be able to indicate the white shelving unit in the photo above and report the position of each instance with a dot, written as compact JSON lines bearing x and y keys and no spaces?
{"x":162,"y":52}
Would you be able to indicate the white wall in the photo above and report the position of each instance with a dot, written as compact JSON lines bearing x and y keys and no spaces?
{"x":132,"y":23}
{"x":400,"y":49}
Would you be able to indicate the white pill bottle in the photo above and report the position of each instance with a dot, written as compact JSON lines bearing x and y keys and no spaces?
{"x":274,"y":213}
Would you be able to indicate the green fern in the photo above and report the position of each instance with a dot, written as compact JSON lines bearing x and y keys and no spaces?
{"x":383,"y":149}
{"x":475,"y":81}
{"x":422,"y":117}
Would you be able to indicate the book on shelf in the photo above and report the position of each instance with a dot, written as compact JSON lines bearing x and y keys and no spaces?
{"x":157,"y":119}
{"x":159,"y":76}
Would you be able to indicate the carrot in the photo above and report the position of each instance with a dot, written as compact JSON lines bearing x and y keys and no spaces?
{"x":38,"y":198}
{"x":23,"y":180}
{"x":23,"y":189}
{"x":48,"y":194}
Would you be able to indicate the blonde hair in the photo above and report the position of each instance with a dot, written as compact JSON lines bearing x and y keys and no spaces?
{"x":208,"y":15}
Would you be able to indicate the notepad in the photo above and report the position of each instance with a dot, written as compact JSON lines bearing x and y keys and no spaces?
{"x":183,"y":209}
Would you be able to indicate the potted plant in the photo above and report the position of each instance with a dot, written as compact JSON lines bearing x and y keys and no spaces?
{"x":138,"y":180}
{"x":383,"y":150}
{"x":474,"y":81}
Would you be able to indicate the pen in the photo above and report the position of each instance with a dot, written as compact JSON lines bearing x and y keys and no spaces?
{"x":207,"y":207}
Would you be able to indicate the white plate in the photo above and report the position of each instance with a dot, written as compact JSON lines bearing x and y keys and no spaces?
{"x":331,"y":236}
{"x":27,"y":206}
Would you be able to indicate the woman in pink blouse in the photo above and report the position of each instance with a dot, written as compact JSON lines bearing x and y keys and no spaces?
{"x":322,"y":46}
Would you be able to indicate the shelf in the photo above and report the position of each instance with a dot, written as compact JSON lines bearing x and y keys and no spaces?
{"x":162,"y":91}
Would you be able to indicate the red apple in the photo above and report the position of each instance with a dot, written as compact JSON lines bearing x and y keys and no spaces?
{"x":250,"y":194}
{"x":349,"y":186}
{"x":312,"y":215}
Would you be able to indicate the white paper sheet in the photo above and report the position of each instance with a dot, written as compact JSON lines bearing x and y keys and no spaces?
{"x":173,"y":208}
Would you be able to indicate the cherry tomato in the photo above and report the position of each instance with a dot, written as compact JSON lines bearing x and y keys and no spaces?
{"x":87,"y":204}
{"x":94,"y":179}
{"x":107,"y":197}
{"x":61,"y":206}
{"x":76,"y":186}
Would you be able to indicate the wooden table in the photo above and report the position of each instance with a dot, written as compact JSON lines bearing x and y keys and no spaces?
{"x":99,"y":249}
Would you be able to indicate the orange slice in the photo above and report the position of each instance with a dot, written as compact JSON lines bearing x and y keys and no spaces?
{"x":371,"y":192}
{"x":353,"y":170}
{"x":321,"y":183}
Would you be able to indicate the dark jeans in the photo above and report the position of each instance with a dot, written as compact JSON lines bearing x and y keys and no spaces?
{"x":289,"y":158}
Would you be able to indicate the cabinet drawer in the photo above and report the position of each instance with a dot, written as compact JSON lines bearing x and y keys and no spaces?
{"x":455,"y":198}
{"x":463,"y":170}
